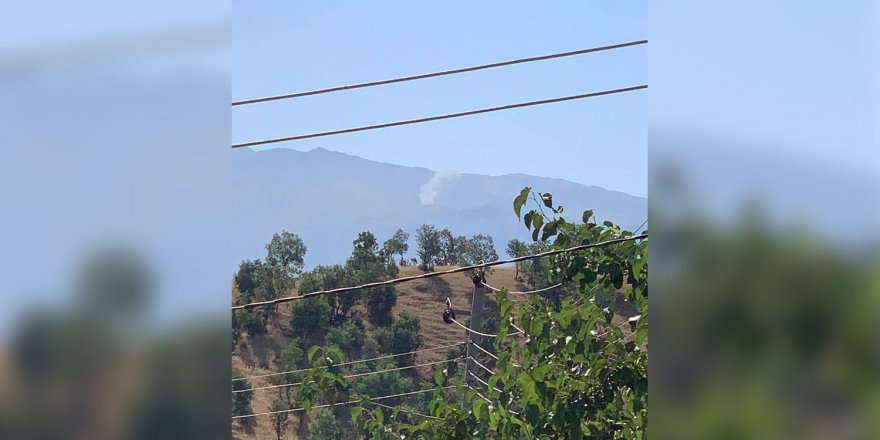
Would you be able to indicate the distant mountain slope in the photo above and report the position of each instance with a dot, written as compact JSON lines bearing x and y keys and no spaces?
{"x":328,"y":197}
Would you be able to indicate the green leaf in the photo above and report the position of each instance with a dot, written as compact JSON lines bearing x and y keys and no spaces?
{"x":549,"y":230}
{"x":479,"y":408}
{"x":537,"y":222}
{"x":438,"y":377}
{"x":528,"y":219}
{"x":356,"y":415}
{"x":307,"y":403}
{"x":587,"y":215}
{"x":312,"y":352}
{"x":520,"y":200}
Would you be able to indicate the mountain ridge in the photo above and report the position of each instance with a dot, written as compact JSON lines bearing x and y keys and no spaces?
{"x":327,"y":197}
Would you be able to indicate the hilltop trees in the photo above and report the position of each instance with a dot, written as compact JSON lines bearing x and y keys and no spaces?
{"x":398,"y":244}
{"x":428,"y":240}
{"x":286,"y":250}
{"x":517,"y":248}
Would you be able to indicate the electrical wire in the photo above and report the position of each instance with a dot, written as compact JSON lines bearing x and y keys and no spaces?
{"x":351,"y":376}
{"x":439,"y":117}
{"x":524,"y":293}
{"x":408,"y":411}
{"x":441,"y":273}
{"x":476,"y":362}
{"x":482,"y":381}
{"x":390,"y":356}
{"x":440,"y":73}
{"x":486,"y":335}
{"x":335,"y":404}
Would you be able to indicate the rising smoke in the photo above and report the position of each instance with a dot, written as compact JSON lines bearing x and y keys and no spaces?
{"x":429,"y":190}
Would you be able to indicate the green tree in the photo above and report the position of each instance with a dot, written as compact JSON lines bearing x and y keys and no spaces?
{"x":398,"y":244}
{"x":401,"y":337}
{"x":380,"y":303}
{"x":479,"y":248}
{"x":517,"y":248}
{"x":331,"y":277}
{"x":324,"y":425}
{"x":428,"y":241}
{"x":286,"y":250}
{"x":247,"y":279}
{"x":310,"y":318}
{"x":292,"y":358}
{"x":241,"y":401}
{"x":446,"y":242}
{"x":349,"y":337}
{"x":279,"y":417}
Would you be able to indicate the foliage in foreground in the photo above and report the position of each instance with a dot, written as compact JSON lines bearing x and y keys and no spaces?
{"x":576,"y":374}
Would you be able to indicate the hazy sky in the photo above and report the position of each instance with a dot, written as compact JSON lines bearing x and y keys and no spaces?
{"x":281,"y":46}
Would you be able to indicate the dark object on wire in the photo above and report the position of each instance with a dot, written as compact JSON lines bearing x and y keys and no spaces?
{"x":448,"y":314}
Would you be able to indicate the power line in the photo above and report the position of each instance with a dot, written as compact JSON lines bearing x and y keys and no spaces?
{"x":351,"y":376}
{"x":485,"y":351}
{"x":439,"y":117}
{"x":478,"y":393}
{"x":440,"y":73}
{"x":353,"y":362}
{"x":335,"y":404}
{"x":476,"y":362}
{"x":485,"y":335}
{"x":436,"y":274}
{"x":524,"y":293}
{"x":486,"y":384}
{"x":408,"y":411}
{"x":488,"y":353}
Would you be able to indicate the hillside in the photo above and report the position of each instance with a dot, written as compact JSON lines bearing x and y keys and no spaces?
{"x":327,"y":197}
{"x":424,"y":298}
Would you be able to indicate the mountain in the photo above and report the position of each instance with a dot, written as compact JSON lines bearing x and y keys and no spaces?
{"x":327,"y":197}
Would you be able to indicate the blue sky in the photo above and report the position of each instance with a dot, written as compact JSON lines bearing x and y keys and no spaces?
{"x":281,"y":46}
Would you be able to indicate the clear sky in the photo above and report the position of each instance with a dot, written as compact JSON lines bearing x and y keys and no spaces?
{"x":283,"y":46}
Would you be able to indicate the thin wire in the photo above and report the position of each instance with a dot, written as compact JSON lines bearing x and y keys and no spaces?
{"x":484,"y":350}
{"x":436,"y":74}
{"x":478,"y":393}
{"x":335,"y":404}
{"x":519,"y":330}
{"x":641,"y":226}
{"x":437,"y":274}
{"x":369,"y":373}
{"x":490,"y":354}
{"x":475,"y":361}
{"x":353,"y":362}
{"x":481,"y":334}
{"x":483,"y":382}
{"x":524,"y":293}
{"x":439,"y":117}
{"x":408,"y":411}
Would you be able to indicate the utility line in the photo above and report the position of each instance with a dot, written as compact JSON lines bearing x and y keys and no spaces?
{"x":440,"y":73}
{"x":335,"y":404}
{"x":475,"y":361}
{"x":439,"y":117}
{"x":485,"y":335}
{"x":436,"y":274}
{"x":408,"y":411}
{"x":351,"y":376}
{"x":353,"y":362}
{"x":495,"y":289}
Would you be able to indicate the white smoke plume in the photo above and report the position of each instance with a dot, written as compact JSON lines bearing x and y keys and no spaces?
{"x":429,"y":190}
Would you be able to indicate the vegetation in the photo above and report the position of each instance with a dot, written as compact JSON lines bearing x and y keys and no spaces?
{"x":577,"y":374}
{"x":241,"y":402}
